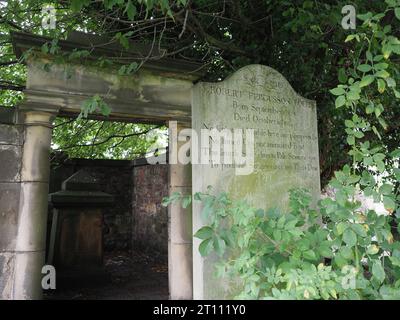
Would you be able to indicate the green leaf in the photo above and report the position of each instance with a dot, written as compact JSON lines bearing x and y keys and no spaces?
{"x":381,"y":66}
{"x":397,"y":13}
{"x":346,"y":253}
{"x":358,"y":134}
{"x":105,"y":110}
{"x":310,"y":255}
{"x":165,"y":202}
{"x":341,"y":227}
{"x":375,"y":130}
{"x":382,"y":123}
{"x":197,"y":196}
{"x":229,"y":238}
{"x":372,"y":249}
{"x":387,"y":51}
{"x":395,"y":153}
{"x":204,"y":233}
{"x":386,"y":189}
{"x":219,"y":245}
{"x":340,"y":261}
{"x":364,"y":67}
{"x":77,"y":5}
{"x":389,"y":203}
{"x":186,"y":201}
{"x":340,"y":101}
{"x":277,"y":235}
{"x":379,"y":156}
{"x":206,"y":247}
{"x":396,"y":173}
{"x":390,"y":293}
{"x":378,"y":272}
{"x":130,"y":9}
{"x":378,"y":110}
{"x":349,"y":123}
{"x":382,"y":74}
{"x":281,"y":222}
{"x":391,"y":82}
{"x":349,"y":237}
{"x":381,"y":86}
{"x":325,"y":251}
{"x":395,"y":258}
{"x":359,"y":229}
{"x":351,"y":140}
{"x":366,"y":80}
{"x":369,"y":55}
{"x":350,"y":37}
{"x":338,"y":91}
{"x":342,"y":75}
{"x":45,"y":48}
{"x":380,"y":165}
{"x":207,"y":210}
{"x":370,"y":108}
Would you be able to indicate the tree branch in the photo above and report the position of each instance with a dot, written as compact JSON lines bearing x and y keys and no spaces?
{"x":12,"y":87}
{"x":8,"y":63}
{"x":110,"y":138}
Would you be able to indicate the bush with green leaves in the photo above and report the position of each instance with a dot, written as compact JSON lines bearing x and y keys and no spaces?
{"x":335,"y":252}
{"x":338,"y":250}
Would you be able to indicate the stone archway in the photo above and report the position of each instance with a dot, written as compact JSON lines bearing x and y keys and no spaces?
{"x":158,"y":93}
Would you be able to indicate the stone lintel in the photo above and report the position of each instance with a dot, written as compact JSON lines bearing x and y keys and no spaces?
{"x":103,"y":47}
{"x":132,"y":110}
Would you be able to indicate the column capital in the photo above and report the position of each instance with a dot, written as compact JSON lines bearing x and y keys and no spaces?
{"x":39,"y":118}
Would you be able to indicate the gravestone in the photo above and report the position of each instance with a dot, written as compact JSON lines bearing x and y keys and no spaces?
{"x":285,"y":149}
{"x":76,"y":241}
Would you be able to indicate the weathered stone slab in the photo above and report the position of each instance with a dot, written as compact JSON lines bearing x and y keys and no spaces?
{"x":10,"y":169}
{"x":10,"y":134}
{"x":148,"y":96}
{"x":9,"y":204}
{"x":7,"y":115}
{"x":285,"y":148}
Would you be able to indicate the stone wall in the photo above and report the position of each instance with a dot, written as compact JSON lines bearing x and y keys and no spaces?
{"x":11,"y":141}
{"x":115,"y":177}
{"x":136,"y":220}
{"x":150,"y":219}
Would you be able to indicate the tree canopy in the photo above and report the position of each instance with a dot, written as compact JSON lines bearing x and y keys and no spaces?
{"x":303,"y":40}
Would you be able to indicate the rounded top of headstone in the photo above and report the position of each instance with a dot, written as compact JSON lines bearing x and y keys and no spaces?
{"x":261,"y":78}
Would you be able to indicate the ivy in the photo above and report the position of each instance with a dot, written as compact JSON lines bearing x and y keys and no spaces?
{"x":94,"y":104}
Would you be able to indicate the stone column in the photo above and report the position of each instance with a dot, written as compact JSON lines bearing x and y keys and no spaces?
{"x":180,"y":236}
{"x":32,"y":217}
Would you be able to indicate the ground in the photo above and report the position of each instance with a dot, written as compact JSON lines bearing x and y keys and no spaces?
{"x":132,"y":276}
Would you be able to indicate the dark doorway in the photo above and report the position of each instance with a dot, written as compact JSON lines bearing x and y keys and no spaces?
{"x":134,"y":229}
